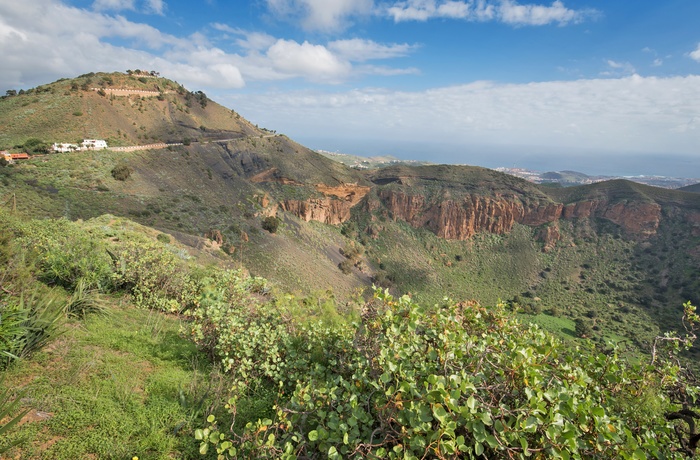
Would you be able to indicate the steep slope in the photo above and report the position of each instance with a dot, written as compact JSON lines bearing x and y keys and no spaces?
{"x":120,"y":108}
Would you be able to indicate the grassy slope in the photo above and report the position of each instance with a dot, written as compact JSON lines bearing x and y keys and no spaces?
{"x":57,"y":113}
{"x":116,"y":386}
{"x":192,"y":190}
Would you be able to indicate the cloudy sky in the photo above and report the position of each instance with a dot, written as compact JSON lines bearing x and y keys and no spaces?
{"x":595,"y":85}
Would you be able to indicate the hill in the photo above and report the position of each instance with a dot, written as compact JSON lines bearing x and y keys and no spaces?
{"x":695,"y":188}
{"x":617,"y":254}
{"x":170,"y":337}
{"x":123,"y":109}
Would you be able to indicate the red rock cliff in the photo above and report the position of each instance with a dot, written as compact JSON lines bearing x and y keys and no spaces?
{"x":332,"y":209}
{"x":460,"y":219}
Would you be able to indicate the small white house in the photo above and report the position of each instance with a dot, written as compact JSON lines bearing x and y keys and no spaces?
{"x":94,"y":144}
{"x":64,"y":148}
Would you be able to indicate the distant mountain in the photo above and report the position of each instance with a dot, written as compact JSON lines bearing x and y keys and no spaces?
{"x":565,"y":176}
{"x":695,"y":188}
{"x":622,"y":254}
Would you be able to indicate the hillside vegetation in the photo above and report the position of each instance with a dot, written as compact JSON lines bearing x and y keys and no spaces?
{"x":93,"y":106}
{"x":144,"y":352}
{"x":618,"y":255}
{"x":216,"y":296}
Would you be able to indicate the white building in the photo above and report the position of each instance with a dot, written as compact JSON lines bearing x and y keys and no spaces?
{"x":94,"y":144}
{"x":64,"y":148}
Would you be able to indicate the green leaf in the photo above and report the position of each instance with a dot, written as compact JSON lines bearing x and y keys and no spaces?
{"x":493,"y":442}
{"x":333,"y":453}
{"x":471,"y":403}
{"x":478,"y":448}
{"x":313,"y":435}
{"x":440,"y":413}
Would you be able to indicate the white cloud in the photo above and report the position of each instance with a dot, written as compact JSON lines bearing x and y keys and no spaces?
{"x":617,"y":69}
{"x":507,"y":11}
{"x":422,"y":10}
{"x":313,"y":61}
{"x":150,"y":6}
{"x":113,"y":5}
{"x":537,"y":15}
{"x":624,"y":114}
{"x":695,"y":55}
{"x":65,"y":41}
{"x":323,"y":15}
{"x":359,"y":50}
{"x":155,"y":6}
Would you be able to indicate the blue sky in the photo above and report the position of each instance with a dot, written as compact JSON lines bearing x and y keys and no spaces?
{"x":550,"y":84}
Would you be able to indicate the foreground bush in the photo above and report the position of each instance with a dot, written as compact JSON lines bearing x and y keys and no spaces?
{"x":458,"y":382}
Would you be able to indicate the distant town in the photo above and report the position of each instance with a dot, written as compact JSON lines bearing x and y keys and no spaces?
{"x":570,"y":178}
{"x":563,"y":178}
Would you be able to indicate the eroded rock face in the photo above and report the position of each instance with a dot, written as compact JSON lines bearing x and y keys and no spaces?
{"x":461,"y":219}
{"x":333,"y":209}
{"x":327,"y":210}
{"x":549,"y":236}
{"x":637,"y":219}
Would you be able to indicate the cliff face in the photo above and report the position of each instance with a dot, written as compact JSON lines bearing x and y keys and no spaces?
{"x":327,"y":210}
{"x":462,"y":218}
{"x":333,"y":208}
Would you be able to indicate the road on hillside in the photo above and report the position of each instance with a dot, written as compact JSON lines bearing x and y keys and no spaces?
{"x":162,"y":145}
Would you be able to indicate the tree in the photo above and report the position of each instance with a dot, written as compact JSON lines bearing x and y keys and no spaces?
{"x":583,"y":328}
{"x":270,"y":223}
{"x":121,"y":172}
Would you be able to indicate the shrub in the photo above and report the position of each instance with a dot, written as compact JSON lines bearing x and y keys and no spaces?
{"x":84,"y":301}
{"x":583,"y":328}
{"x":8,"y":408}
{"x":121,"y":172}
{"x":65,"y":254}
{"x":154,"y":276}
{"x":163,"y":238}
{"x":29,"y":324}
{"x":345,"y":266}
{"x":271,"y":224}
{"x":459,"y":382}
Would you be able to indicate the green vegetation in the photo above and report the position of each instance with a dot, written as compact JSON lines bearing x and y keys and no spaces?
{"x":460,"y":381}
{"x":121,"y":172}
{"x":160,"y":357}
{"x":101,"y":377}
{"x":112,"y":326}
{"x":271,"y":224}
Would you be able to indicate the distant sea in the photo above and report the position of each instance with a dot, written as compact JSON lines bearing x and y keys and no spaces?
{"x":527,"y":157}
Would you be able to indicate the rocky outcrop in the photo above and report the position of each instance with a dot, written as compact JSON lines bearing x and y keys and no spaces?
{"x":333,"y":208}
{"x":693,"y":219}
{"x":549,"y":236}
{"x":460,"y":219}
{"x":327,"y":210}
{"x":640,"y":220}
